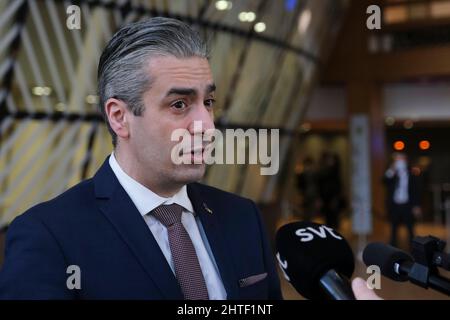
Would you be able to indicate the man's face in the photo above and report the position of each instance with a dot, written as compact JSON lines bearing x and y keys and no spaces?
{"x":182,"y":91}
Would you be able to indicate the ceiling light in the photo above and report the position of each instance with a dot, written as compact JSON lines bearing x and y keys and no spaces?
{"x":242,"y":16}
{"x":41,"y":91}
{"x":260,"y":27}
{"x":60,"y":106}
{"x":399,"y":145}
{"x":251,"y":16}
{"x":408,"y":124}
{"x":223,"y":5}
{"x":304,"y":21}
{"x":424,"y":145}
{"x":92,"y":99}
{"x":389,"y":121}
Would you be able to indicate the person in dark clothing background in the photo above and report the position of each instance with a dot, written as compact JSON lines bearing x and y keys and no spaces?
{"x":402,"y":198}
{"x":330,"y":188}
{"x":307,"y":186}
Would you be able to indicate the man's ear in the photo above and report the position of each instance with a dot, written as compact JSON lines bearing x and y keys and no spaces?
{"x":118,"y":113}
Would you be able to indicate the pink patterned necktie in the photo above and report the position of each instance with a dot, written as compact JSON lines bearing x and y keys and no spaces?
{"x":187,"y":267}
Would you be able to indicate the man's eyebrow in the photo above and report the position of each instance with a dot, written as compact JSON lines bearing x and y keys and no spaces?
{"x":190,"y":91}
{"x":211,"y":88}
{"x":182,"y":92}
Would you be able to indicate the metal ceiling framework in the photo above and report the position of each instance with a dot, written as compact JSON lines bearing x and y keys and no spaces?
{"x":52,"y":141}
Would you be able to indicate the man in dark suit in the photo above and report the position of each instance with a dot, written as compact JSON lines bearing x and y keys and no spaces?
{"x":142,"y":228}
{"x":402,"y":200}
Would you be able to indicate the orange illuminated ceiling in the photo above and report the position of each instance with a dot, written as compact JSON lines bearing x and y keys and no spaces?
{"x":410,"y":11}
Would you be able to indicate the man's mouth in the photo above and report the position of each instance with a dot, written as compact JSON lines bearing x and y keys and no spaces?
{"x":198,"y":151}
{"x":195,"y":151}
{"x":192,"y":152}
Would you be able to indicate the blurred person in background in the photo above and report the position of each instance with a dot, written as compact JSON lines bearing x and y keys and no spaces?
{"x":308,"y":188}
{"x":330,"y":188}
{"x":402,"y":198}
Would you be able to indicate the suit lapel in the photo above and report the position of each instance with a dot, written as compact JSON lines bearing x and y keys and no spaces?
{"x":209,"y":216}
{"x":118,"y":208}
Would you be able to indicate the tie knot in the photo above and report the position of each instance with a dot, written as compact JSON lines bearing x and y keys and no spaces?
{"x":168,"y":214}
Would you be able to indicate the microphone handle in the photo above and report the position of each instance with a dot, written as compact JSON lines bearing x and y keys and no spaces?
{"x":336,"y":286}
{"x":435,"y":282}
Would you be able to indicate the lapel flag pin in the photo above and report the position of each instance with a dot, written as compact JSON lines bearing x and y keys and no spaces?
{"x":207,"y":209}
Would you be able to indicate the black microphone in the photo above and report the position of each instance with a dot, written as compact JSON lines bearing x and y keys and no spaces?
{"x":316,"y":260}
{"x":398,"y":265}
{"x":389,"y":259}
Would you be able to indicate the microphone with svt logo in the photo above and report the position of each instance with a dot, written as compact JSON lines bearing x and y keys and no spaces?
{"x":316,"y":260}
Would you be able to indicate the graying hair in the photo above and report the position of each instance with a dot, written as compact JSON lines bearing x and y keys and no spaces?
{"x":121,"y":69}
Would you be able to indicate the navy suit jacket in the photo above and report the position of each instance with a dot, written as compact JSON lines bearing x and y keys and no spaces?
{"x":96,"y":226}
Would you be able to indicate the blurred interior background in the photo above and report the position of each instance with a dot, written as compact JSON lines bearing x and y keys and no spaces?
{"x":345,"y":93}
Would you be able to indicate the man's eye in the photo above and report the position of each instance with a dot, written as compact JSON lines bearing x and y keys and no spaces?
{"x":210,"y":103}
{"x":179,"y":105}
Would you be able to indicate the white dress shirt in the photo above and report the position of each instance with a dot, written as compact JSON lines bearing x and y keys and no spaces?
{"x":401,"y":189}
{"x":146,"y":200}
{"x":401,"y":192}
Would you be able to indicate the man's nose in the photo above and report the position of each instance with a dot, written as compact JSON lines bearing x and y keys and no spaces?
{"x":201,"y":116}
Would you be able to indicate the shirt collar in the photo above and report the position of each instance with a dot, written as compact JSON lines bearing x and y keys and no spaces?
{"x":143,"y":198}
